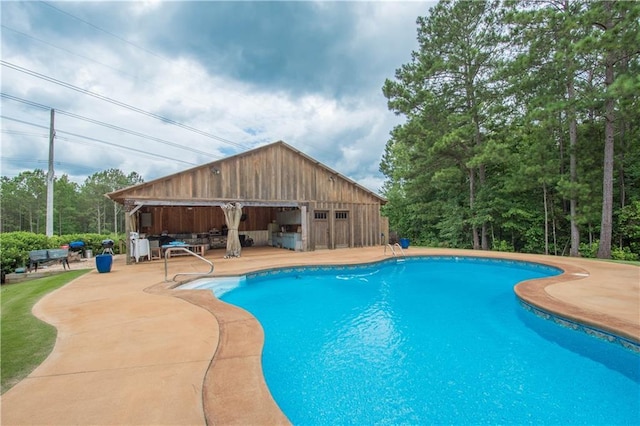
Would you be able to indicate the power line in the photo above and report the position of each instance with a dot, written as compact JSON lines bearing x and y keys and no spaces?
{"x":17,"y":120}
{"x":58,"y":132}
{"x":167,"y":60}
{"x":144,"y":49}
{"x":64,"y":50}
{"x":21,"y":133}
{"x":106,"y":32}
{"x":24,"y":101}
{"x":118,"y":103}
{"x":57,"y":163}
{"x":22,"y":160}
{"x":127,"y":74}
{"x":139,"y":151}
{"x":110,"y":126}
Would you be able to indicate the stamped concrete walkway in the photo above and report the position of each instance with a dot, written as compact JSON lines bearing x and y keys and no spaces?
{"x":130,"y":350}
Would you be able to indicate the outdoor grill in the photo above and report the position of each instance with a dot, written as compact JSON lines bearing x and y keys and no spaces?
{"x":107,"y":246}
{"x":76,"y":246}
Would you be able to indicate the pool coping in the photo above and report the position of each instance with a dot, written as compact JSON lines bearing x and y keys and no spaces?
{"x":534,"y":293}
{"x":235,"y":379}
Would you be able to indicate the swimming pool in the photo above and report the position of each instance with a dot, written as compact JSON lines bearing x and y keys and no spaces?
{"x":429,"y":340}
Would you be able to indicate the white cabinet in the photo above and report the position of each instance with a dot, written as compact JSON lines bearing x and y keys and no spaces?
{"x":140,"y":248}
{"x":288,"y":240}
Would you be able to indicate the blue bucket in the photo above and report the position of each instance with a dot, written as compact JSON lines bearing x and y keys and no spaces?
{"x":104,"y":262}
{"x":404,"y":243}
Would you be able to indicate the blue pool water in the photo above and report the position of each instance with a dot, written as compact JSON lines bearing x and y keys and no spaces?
{"x":430,"y":341}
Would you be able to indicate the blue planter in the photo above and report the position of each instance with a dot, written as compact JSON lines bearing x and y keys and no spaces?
{"x":404,"y":243}
{"x":104,"y":262}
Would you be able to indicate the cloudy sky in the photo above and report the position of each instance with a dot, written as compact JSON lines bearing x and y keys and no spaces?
{"x":158,"y":87}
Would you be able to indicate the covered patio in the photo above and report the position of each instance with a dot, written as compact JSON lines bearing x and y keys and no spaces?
{"x":132,"y":350}
{"x":289,"y":200}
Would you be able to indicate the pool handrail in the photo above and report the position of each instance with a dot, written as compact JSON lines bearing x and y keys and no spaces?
{"x":170,"y":250}
{"x":393,"y":250}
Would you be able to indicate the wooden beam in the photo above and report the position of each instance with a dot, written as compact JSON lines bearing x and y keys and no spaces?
{"x":214,"y":203}
{"x":135,"y":209}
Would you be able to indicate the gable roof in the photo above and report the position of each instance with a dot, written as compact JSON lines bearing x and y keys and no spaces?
{"x":145,"y":190}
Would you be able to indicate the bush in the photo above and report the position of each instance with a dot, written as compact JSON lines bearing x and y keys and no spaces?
{"x":91,"y":242}
{"x":15,"y":246}
{"x":629,"y":226}
{"x":589,"y":250}
{"x":501,"y":245}
{"x":623,"y":254}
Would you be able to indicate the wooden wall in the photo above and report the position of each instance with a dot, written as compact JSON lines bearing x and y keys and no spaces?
{"x":365,"y":223}
{"x":273,"y":173}
{"x":194,"y":220}
{"x":364,"y":219}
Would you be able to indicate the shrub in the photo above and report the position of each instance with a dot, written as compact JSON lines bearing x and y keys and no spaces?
{"x":589,"y":250}
{"x":630,"y":226}
{"x":623,"y":254}
{"x":501,"y":245}
{"x":91,"y":242}
{"x":15,"y":246}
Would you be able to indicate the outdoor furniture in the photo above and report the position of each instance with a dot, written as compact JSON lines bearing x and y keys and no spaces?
{"x":140,"y":249}
{"x":76,"y":246}
{"x":217,"y":241}
{"x":37,"y":257}
{"x":156,"y":250}
{"x":107,"y":247}
{"x":75,"y":250}
{"x":196,"y":248}
{"x":245,"y":241}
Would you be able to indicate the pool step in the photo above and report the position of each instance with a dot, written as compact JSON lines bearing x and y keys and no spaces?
{"x":219,"y":285}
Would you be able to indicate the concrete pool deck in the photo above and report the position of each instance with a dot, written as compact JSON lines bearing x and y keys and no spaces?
{"x":130,"y":350}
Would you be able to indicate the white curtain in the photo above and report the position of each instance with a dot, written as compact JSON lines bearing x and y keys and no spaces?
{"x":232,"y":215}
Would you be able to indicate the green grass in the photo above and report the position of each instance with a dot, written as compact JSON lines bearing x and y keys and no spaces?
{"x":627,"y":262}
{"x":25,"y":340}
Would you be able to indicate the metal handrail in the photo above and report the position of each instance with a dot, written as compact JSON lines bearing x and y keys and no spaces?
{"x":390,"y":248}
{"x":393,"y":250}
{"x":170,"y":250}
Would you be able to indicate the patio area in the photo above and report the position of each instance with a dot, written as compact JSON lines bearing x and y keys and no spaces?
{"x":132,"y":350}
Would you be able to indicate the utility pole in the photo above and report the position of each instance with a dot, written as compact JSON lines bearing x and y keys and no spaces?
{"x":50,"y":176}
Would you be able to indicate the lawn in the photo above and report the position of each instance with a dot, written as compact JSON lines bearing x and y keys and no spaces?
{"x":25,"y":340}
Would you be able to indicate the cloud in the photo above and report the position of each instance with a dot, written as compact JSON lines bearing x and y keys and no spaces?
{"x":243,"y":73}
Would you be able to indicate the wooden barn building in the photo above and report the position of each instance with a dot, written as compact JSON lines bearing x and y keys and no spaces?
{"x":288,"y":200}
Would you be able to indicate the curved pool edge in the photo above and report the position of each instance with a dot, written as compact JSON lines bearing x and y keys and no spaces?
{"x":536,"y":294}
{"x":234,"y":388}
{"x":234,"y":377}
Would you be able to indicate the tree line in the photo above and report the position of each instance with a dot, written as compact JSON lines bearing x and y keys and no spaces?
{"x":77,"y":208}
{"x":522,"y":128}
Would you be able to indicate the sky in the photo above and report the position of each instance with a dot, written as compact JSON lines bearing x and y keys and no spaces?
{"x":157,"y":87}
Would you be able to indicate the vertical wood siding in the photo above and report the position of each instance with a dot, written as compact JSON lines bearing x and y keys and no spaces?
{"x":197,"y":220}
{"x":274,"y":173}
